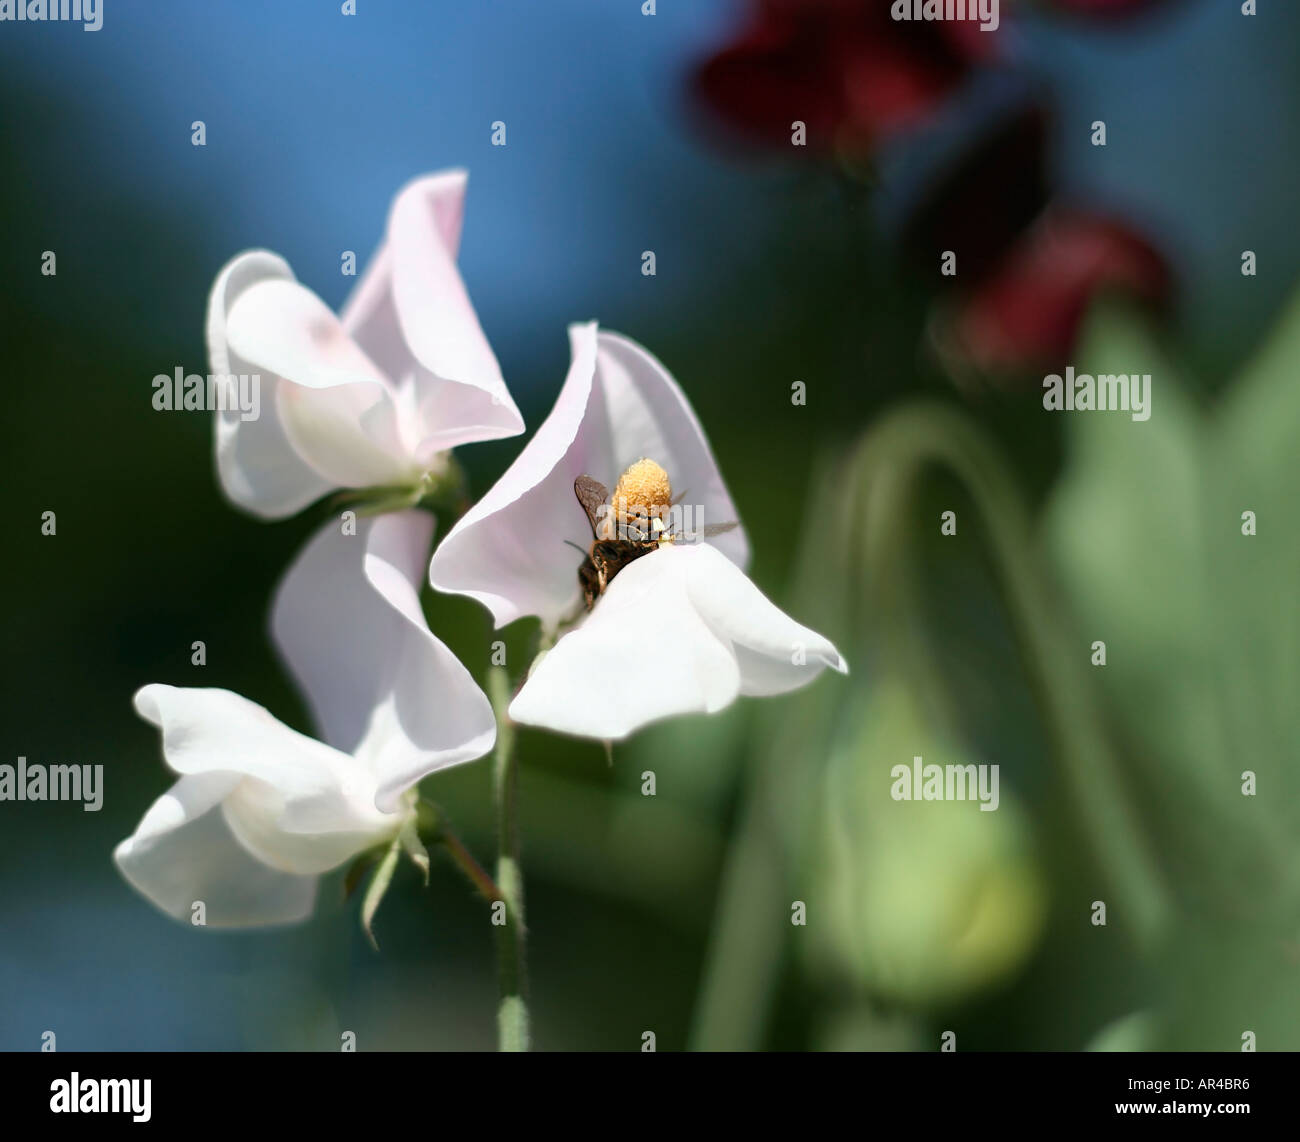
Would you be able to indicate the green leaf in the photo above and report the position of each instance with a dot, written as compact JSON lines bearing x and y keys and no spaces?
{"x":1126,"y":527}
{"x":1199,"y":620}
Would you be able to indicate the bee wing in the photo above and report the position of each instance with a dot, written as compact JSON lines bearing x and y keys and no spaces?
{"x":592,"y":495}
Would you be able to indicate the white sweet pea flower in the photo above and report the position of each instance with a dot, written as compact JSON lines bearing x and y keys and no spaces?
{"x":372,"y":399}
{"x":677,"y":630}
{"x":260,"y":810}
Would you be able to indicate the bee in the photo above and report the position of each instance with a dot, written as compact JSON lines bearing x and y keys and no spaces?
{"x":627,"y":525}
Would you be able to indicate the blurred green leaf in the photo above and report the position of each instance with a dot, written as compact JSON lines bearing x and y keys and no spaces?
{"x":1199,"y":620}
{"x":1202,"y":628}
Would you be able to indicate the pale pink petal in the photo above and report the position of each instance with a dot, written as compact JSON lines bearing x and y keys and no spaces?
{"x":643,"y":654}
{"x":775,"y":654}
{"x":299,"y":806}
{"x":337,"y":410}
{"x":183,"y":852}
{"x":679,"y":631}
{"x":511,"y":550}
{"x":412,"y":314}
{"x":514,"y":550}
{"x":258,"y":467}
{"x":348,"y":622}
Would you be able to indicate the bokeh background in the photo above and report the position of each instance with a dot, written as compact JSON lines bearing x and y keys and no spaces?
{"x":775,"y":264}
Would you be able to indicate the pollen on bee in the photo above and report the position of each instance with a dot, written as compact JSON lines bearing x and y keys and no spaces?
{"x":643,"y":492}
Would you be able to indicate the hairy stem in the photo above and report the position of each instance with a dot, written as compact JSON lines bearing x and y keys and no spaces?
{"x":512,"y":1012}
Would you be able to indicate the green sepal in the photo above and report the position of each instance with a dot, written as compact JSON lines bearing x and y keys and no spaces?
{"x":409,"y":839}
{"x":378,"y":885}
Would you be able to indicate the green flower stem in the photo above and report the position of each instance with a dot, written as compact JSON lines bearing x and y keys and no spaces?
{"x":512,"y":1013}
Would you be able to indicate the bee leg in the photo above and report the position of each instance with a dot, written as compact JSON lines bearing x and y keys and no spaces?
{"x":601,"y":565}
{"x":589,"y":581}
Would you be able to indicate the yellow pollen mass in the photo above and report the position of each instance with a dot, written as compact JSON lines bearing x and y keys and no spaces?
{"x":643,"y":485}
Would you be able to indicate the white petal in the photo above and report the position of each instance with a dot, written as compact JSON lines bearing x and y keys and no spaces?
{"x":347,"y":620}
{"x":183,"y":852}
{"x":337,"y":410}
{"x":511,"y":551}
{"x":259,"y":469}
{"x":775,"y":654}
{"x":298,"y":805}
{"x":412,"y":314}
{"x":679,"y":631}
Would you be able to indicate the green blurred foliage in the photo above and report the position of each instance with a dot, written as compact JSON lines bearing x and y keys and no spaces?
{"x":1124,"y":782}
{"x":1202,"y":631}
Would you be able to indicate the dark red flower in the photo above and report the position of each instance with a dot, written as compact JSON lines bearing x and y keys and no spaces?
{"x":842,"y":67}
{"x":1025,"y":315}
{"x":976,"y":181}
